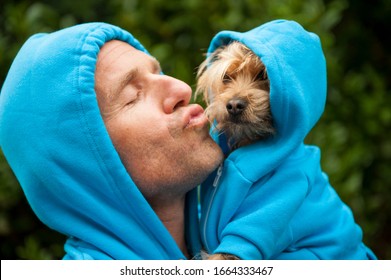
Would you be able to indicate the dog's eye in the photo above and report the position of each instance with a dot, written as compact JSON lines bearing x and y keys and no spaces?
{"x":227,"y":79}
{"x":262,"y":75}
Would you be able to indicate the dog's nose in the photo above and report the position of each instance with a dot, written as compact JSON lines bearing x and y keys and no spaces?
{"x":236,"y":106}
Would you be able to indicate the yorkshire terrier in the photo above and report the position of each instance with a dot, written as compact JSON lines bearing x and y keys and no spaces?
{"x":236,"y":89}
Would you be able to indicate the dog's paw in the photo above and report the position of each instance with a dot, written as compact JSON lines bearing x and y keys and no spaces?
{"x":224,"y":257}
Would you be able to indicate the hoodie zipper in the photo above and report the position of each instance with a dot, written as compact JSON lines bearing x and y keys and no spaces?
{"x":215,"y":185}
{"x":218,"y":175}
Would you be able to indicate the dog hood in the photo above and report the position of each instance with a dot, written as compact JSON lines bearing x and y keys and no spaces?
{"x":53,"y":136}
{"x":271,"y":199}
{"x":296,"y":69}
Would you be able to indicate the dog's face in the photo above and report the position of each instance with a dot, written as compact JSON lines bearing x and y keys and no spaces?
{"x":236,"y":89}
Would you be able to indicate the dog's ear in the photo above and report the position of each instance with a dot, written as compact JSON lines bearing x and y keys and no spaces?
{"x":201,"y":69}
{"x":208,"y":61}
{"x":200,"y":79}
{"x":216,"y":54}
{"x":203,"y":81}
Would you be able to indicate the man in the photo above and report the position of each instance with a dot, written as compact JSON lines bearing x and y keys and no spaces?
{"x":106,"y":148}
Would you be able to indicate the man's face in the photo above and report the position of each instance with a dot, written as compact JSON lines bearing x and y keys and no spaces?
{"x":161,"y":139}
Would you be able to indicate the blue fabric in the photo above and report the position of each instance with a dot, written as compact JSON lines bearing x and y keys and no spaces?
{"x":53,"y":136}
{"x":273,"y":201}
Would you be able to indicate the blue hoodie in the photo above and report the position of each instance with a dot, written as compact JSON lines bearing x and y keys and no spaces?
{"x":53,"y":136}
{"x":271,"y":200}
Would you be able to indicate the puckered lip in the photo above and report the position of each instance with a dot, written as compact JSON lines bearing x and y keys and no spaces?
{"x":194,"y":116}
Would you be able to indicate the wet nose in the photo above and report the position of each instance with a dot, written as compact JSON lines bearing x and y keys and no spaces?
{"x":236,"y":106}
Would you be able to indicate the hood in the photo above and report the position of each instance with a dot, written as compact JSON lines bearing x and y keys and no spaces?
{"x":53,"y":136}
{"x":296,"y":69}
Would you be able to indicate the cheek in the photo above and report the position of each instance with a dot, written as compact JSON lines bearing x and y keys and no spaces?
{"x":139,"y":138}
{"x":135,"y":137}
{"x":125,"y":132}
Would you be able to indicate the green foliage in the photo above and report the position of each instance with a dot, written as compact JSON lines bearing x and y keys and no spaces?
{"x":352,"y":133}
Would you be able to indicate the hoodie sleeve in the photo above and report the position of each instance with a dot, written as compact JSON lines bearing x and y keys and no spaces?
{"x":259,"y":228}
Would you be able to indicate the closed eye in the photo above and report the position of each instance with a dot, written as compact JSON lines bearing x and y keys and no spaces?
{"x":227,"y":79}
{"x":133,"y":100}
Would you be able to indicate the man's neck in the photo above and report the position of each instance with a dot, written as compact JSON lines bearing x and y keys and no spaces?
{"x":172,"y":214}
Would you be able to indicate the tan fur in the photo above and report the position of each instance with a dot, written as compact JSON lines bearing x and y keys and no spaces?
{"x":233,"y":74}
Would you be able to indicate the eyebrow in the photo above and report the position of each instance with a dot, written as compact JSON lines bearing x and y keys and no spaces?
{"x":132,"y":75}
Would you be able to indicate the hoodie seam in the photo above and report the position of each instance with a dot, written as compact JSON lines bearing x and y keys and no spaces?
{"x":240,"y":172}
{"x":91,"y":143}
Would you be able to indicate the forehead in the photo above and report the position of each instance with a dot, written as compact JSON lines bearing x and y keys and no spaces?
{"x":116,"y":61}
{"x":116,"y":53}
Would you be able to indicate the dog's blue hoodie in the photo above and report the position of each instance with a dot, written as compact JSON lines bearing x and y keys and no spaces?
{"x":53,"y":136}
{"x":271,"y":200}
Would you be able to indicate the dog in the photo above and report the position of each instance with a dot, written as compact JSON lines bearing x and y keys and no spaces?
{"x":265,"y":200}
{"x":236,"y":89}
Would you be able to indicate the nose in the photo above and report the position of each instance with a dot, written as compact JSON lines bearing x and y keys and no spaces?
{"x":236,"y":106}
{"x":175,"y":94}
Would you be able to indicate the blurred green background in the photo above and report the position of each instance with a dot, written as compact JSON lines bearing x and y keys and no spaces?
{"x":353,"y":133}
